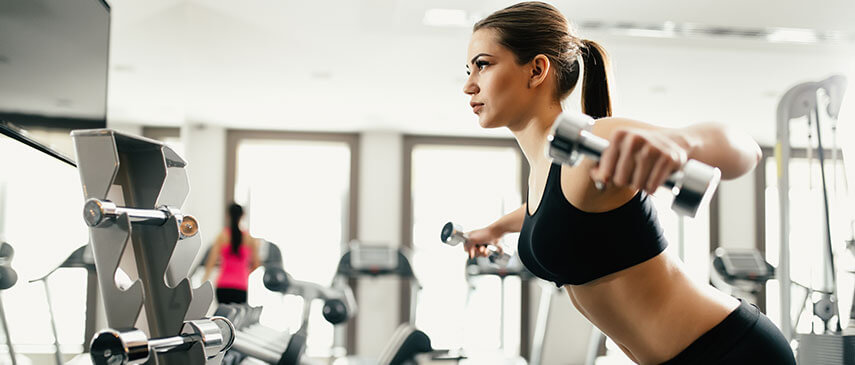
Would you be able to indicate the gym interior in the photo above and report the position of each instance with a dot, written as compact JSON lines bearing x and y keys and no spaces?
{"x":343,"y":132}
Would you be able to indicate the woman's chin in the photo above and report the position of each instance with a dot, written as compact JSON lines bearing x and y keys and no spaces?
{"x":487,"y":123}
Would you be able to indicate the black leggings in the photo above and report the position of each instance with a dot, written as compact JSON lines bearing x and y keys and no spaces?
{"x":226,"y":296}
{"x":746,"y":336}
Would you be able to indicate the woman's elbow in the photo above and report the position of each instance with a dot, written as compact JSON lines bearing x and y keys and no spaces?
{"x":746,"y":157}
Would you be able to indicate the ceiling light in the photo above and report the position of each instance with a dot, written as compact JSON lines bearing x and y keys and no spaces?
{"x":791,"y":35}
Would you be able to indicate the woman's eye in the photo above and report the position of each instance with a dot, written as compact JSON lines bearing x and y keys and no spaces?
{"x":481,"y":64}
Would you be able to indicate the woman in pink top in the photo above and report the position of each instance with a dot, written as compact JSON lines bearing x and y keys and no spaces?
{"x":239,"y":253}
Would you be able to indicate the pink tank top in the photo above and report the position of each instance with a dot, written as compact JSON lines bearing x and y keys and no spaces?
{"x":234,"y":268}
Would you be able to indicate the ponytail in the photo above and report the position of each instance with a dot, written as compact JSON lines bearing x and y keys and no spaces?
{"x":596,"y":101}
{"x":235,"y":214}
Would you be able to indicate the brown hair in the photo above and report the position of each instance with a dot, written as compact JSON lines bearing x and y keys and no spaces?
{"x":532,"y":28}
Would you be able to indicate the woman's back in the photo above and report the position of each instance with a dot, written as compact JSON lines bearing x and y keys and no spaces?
{"x":235,"y":266}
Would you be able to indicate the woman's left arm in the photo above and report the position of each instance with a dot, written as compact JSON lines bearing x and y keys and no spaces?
{"x":641,"y":155}
{"x":735,"y":153}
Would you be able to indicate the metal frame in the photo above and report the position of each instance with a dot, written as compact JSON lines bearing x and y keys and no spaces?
{"x":144,"y":174}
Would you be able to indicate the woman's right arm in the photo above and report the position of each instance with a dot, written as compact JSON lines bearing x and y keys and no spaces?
{"x":490,"y":235}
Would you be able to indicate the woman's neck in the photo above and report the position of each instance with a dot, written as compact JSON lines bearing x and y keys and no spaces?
{"x":532,"y":134}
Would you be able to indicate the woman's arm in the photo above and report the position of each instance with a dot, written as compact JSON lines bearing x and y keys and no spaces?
{"x":479,"y":238}
{"x":213,"y":256}
{"x":642,"y":155}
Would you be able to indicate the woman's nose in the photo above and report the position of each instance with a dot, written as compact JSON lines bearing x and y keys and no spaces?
{"x":470,"y":87}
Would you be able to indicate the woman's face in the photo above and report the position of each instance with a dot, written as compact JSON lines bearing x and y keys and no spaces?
{"x":497,"y":85}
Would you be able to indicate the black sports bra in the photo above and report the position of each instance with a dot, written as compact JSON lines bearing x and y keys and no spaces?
{"x":565,"y":245}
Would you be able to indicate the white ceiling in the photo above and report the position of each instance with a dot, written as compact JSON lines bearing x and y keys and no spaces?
{"x":371,"y":64}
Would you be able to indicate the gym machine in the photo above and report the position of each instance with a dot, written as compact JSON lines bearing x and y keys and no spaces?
{"x":134,"y":188}
{"x":8,"y":278}
{"x":813,"y":102}
{"x":80,"y":258}
{"x":407,"y":343}
{"x":257,"y":341}
{"x":740,"y":273}
{"x":571,"y":139}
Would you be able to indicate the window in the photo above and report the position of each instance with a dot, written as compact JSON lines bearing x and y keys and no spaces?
{"x":472,"y":185}
{"x":296,"y":191}
{"x":30,"y":182}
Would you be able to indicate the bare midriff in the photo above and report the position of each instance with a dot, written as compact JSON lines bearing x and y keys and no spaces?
{"x":652,"y":310}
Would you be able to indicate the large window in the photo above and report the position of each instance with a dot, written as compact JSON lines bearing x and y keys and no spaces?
{"x":296,"y":190}
{"x":806,"y":241}
{"x":40,"y":204}
{"x":470,"y":182}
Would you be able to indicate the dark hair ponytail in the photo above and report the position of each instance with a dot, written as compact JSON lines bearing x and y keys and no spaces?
{"x":596,"y":100}
{"x":235,"y":214}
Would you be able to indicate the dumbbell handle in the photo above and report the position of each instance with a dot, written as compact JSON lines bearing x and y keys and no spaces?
{"x":96,"y":211}
{"x":571,"y":138}
{"x":453,"y":235}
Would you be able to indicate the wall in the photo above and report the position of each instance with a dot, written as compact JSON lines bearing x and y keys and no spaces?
{"x":379,"y":223}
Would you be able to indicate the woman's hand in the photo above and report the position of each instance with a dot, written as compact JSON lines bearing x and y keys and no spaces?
{"x":639,"y":159}
{"x":479,"y":239}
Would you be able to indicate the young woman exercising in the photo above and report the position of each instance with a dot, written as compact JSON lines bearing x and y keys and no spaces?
{"x":606,"y":247}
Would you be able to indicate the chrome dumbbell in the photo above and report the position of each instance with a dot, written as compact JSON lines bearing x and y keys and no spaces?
{"x":97,"y":211}
{"x":114,"y":347}
{"x":571,"y":139}
{"x":453,"y":235}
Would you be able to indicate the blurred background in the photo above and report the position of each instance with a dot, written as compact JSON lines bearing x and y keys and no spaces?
{"x":341,"y":121}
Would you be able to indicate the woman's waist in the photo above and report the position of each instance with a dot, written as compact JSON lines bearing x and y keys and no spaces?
{"x":652,"y":308}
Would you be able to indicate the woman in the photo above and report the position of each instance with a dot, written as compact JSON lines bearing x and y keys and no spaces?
{"x":239,"y":252}
{"x":605,"y":246}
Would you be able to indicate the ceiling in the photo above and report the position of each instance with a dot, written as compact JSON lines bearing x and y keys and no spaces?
{"x":374,"y":65}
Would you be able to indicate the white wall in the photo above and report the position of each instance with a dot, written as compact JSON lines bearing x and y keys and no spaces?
{"x":737,"y":212}
{"x":205,"y":153}
{"x":380,"y":168}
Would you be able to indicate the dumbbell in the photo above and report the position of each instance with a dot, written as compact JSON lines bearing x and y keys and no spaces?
{"x":453,"y":235}
{"x":96,"y":211}
{"x":8,"y":275}
{"x":129,"y":347}
{"x":571,"y":138}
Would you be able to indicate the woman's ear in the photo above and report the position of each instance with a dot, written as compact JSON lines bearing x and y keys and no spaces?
{"x":539,"y":68}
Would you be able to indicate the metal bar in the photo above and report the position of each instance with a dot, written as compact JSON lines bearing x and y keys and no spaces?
{"x":6,"y":332}
{"x":830,"y":276}
{"x":57,"y":353}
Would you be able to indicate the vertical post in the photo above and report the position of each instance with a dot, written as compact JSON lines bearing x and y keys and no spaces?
{"x":502,"y":313}
{"x":57,"y":353}
{"x":782,"y":157}
{"x":6,"y":332}
{"x":542,"y":323}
